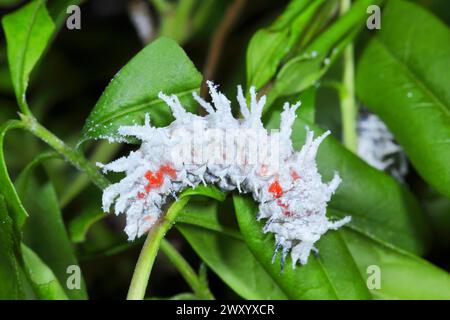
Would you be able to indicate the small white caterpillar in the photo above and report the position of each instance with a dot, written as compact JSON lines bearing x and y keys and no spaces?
{"x":232,"y":154}
{"x":377,"y":146}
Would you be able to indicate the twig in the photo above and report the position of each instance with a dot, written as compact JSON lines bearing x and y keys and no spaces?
{"x":219,"y":38}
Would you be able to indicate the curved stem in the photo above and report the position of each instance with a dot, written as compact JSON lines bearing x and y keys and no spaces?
{"x":139,"y":281}
{"x":349,"y":110}
{"x":191,"y":277}
{"x":72,"y":155}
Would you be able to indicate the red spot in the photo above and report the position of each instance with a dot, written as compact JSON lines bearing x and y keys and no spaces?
{"x":148,"y":218}
{"x":169,"y":171}
{"x":285,"y":207}
{"x":140,"y":195}
{"x":276,"y":189}
{"x":294,"y":175}
{"x":264,"y":170}
{"x":156,"y":180}
{"x":282,"y":204}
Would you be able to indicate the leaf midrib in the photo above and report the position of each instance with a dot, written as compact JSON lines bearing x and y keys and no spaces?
{"x":138,"y":106}
{"x":327,"y":276}
{"x":413,"y":76}
{"x":25,"y":49}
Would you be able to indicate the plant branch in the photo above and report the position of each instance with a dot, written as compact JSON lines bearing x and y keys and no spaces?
{"x":349,"y":110}
{"x":103,"y":152}
{"x":199,"y":289}
{"x":72,"y":155}
{"x":218,"y":41}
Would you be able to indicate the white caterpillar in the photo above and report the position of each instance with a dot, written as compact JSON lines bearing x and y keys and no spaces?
{"x":377,"y":146}
{"x":232,"y":154}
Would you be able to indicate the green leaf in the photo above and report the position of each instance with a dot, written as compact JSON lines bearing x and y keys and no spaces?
{"x":10,"y":280}
{"x":179,"y":296}
{"x":80,"y":225}
{"x":209,"y":219}
{"x":18,"y":212}
{"x":268,"y":46}
{"x":45,"y":284}
{"x":332,"y":274}
{"x":405,"y":83}
{"x":303,"y":70}
{"x":380,"y":207}
{"x":403,"y":276}
{"x":208,"y":191}
{"x":133,"y":92}
{"x":44,"y":230}
{"x":226,"y":254}
{"x":27,"y":32}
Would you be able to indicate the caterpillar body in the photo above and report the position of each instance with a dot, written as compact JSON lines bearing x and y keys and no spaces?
{"x":233,"y":154}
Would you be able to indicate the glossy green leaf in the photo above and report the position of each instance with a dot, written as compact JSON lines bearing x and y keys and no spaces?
{"x":402,"y":275}
{"x":27,"y":31}
{"x":332,"y":274}
{"x":303,"y":70}
{"x":45,"y":284}
{"x":209,"y":219}
{"x":226,"y":254}
{"x":11,"y":287}
{"x":380,"y":207}
{"x":268,"y":46}
{"x":133,"y":92}
{"x":45,"y":232}
{"x":405,"y":82}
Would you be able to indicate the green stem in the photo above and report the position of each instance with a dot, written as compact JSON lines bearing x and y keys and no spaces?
{"x":349,"y":110}
{"x":200,"y":290}
{"x":148,"y":253}
{"x":72,"y":155}
{"x":103,"y":153}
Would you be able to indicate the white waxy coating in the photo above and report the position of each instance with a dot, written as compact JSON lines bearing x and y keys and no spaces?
{"x":232,"y":154}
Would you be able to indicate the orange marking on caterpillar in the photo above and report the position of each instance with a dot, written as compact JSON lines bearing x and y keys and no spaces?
{"x":276,"y":189}
{"x":140,"y":195}
{"x":169,"y":171}
{"x":294,"y":175}
{"x":285,"y":207}
{"x":156,"y":180}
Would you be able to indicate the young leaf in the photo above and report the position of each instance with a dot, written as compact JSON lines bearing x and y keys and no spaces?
{"x":45,"y":284}
{"x":27,"y":32}
{"x":11,"y":287}
{"x":226,"y":254}
{"x":81,"y":224}
{"x":401,"y":77}
{"x":268,"y":46}
{"x":303,"y":70}
{"x":133,"y":92}
{"x":332,"y":274}
{"x":402,"y":275}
